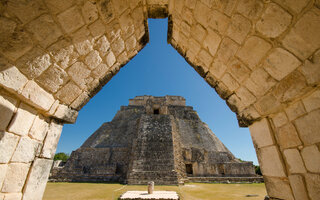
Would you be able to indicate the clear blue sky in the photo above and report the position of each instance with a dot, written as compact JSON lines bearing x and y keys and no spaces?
{"x":159,"y":70}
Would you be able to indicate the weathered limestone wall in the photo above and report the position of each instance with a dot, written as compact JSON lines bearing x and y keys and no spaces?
{"x":262,"y":57}
{"x":28,"y":141}
{"x":287,"y":146}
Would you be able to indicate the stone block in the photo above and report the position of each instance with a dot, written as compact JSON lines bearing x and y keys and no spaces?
{"x":25,"y":151}
{"x":308,"y":127}
{"x":212,"y":42}
{"x":120,"y":6}
{"x":79,"y":72}
{"x":217,"y":68}
{"x":238,"y":28}
{"x":53,"y":78}
{"x":93,"y":59}
{"x":201,"y":13}
{"x":83,"y":41}
{"x":65,"y":113}
{"x":295,"y":110}
{"x":8,"y":144}
{"x":117,"y":46}
{"x":274,"y":21}
{"x":311,"y":157}
{"x":235,"y":103}
{"x":89,"y":12}
{"x":198,"y":32}
{"x":253,"y":50}
{"x":97,"y":28}
{"x":12,"y":79}
{"x":295,"y":5}
{"x":123,"y":58}
{"x":294,"y":161}
{"x":37,"y":96}
{"x":15,"y":177}
{"x":126,"y":24}
{"x":267,"y":104}
{"x":15,"y":41}
{"x":70,"y":19}
{"x":303,"y":38}
{"x":13,"y":196}
{"x":33,"y":63}
{"x":278,"y":188}
{"x":251,"y":9}
{"x":204,"y":59}
{"x":100,"y":71}
{"x":238,"y":70}
{"x":22,"y":120}
{"x":218,"y":21}
{"x":287,"y":136}
{"x":311,"y":102}
{"x":131,"y":43}
{"x":291,"y":87}
{"x":103,"y":45}
{"x":57,"y":6}
{"x":51,"y":141}
{"x":310,"y":69}
{"x":270,"y":162}
{"x":7,"y":108}
{"x":280,"y":63}
{"x":230,"y":82}
{"x":227,"y":50}
{"x":45,"y":30}
{"x":259,"y":82}
{"x":298,"y":187}
{"x":63,"y":53}
{"x":1,"y":196}
{"x":313,"y":182}
{"x":39,"y":128}
{"x":246,"y":97}
{"x":3,"y":171}
{"x":26,"y":11}
{"x":82,"y":100}
{"x":279,"y":119}
{"x":54,"y":107}
{"x":261,"y":133}
{"x":106,"y":11}
{"x":68,"y":93}
{"x":110,"y":59}
{"x":37,"y":179}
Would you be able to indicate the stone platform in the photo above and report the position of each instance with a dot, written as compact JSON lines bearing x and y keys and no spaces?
{"x":163,"y":195}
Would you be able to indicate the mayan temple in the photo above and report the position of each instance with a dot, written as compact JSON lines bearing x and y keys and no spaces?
{"x":156,"y":139}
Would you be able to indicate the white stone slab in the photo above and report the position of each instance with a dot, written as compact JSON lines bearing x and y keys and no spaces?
{"x":164,"y":195}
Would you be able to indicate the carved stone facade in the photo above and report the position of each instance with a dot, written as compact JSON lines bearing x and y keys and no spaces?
{"x":153,"y":139}
{"x":261,"y":56}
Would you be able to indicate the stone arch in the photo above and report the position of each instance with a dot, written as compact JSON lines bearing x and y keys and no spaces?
{"x":262,"y":57}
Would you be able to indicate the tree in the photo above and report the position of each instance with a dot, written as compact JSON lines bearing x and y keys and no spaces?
{"x":61,"y":156}
{"x":257,"y":169}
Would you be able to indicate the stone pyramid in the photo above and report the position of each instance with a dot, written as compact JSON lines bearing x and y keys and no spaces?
{"x":156,"y":139}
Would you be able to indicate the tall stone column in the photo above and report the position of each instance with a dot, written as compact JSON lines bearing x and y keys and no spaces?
{"x":287,"y":145}
{"x":28,"y":142}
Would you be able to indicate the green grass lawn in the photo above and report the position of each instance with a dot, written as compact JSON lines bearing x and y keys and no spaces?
{"x":190,"y":191}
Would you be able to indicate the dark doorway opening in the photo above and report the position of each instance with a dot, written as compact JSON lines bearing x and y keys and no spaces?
{"x":189,"y":169}
{"x":156,"y":111}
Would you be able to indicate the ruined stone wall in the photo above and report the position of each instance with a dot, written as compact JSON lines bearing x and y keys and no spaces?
{"x":153,"y":153}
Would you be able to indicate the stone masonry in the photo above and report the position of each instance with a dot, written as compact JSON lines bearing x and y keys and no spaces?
{"x":156,"y":139}
{"x":261,"y":56}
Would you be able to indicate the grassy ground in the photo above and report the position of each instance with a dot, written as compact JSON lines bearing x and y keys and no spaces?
{"x":191,"y":191}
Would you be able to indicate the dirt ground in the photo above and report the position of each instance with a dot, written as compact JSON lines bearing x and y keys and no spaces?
{"x":190,"y":191}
